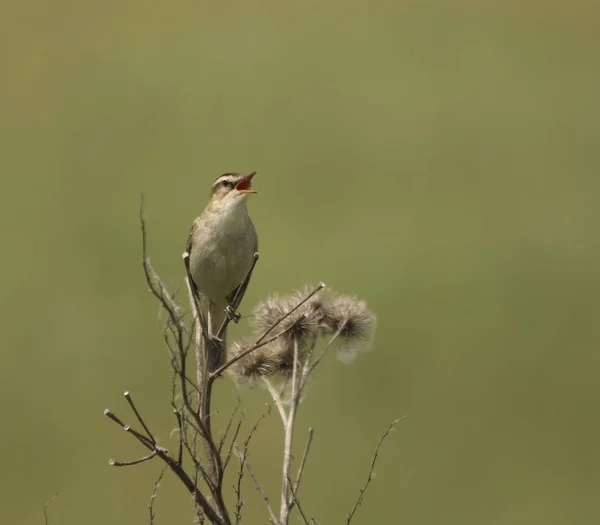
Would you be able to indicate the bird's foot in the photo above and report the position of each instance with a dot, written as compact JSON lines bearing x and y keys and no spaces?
{"x":232,"y":314}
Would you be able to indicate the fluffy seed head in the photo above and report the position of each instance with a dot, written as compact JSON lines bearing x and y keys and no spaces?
{"x":302,"y":325}
{"x":252,"y":366}
{"x":355,"y":322}
{"x":276,"y":358}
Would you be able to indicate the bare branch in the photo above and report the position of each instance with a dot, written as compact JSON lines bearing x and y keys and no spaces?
{"x":139,"y":418}
{"x":140,"y":437}
{"x":152,"y":279}
{"x":47,"y":504}
{"x":261,"y":490}
{"x":237,"y":488}
{"x":297,"y":503}
{"x":371,"y":470}
{"x":324,"y":351}
{"x":233,"y":440}
{"x":114,"y":463}
{"x":277,"y":398}
{"x":181,"y":432}
{"x":229,"y":423}
{"x":153,"y":495}
{"x":303,"y":461}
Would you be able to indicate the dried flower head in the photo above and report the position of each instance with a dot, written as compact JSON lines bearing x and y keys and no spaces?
{"x":355,"y":323}
{"x":275,"y":358}
{"x":254,"y":365}
{"x":302,"y":325}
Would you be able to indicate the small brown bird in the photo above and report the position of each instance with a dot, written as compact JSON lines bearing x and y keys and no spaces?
{"x":220,"y":247}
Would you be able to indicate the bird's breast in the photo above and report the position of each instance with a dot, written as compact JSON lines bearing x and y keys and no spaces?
{"x":221,"y":254}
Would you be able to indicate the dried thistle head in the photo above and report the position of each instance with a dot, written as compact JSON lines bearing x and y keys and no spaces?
{"x":355,"y":323}
{"x":252,"y":366}
{"x":302,"y":325}
{"x":276,"y":358}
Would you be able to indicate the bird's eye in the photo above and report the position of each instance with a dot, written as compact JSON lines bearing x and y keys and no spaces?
{"x":227,"y":184}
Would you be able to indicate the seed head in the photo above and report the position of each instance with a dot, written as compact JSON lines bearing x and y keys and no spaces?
{"x":253,"y":365}
{"x":350,"y":316}
{"x":301,"y":325}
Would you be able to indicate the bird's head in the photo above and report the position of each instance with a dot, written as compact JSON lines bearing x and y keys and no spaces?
{"x":231,"y":189}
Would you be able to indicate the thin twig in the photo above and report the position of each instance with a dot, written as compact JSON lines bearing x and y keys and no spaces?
{"x":140,"y":437}
{"x":139,"y":417}
{"x":326,"y":347}
{"x":296,"y":501}
{"x":46,"y":508}
{"x":153,"y":495}
{"x":303,"y":461}
{"x":233,"y":441}
{"x":261,"y":490}
{"x":152,"y":277}
{"x":237,"y":488}
{"x":181,"y":432}
{"x":371,"y":470}
{"x":176,"y":468}
{"x":278,"y":401}
{"x":114,"y":463}
{"x":229,"y":423}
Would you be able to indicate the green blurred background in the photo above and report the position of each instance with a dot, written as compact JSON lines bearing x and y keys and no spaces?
{"x":438,"y":159}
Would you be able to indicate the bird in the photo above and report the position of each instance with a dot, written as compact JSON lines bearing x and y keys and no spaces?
{"x":219,"y":252}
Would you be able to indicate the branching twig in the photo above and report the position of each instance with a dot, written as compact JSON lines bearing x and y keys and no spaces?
{"x":47,"y":504}
{"x":153,"y":495}
{"x":115,"y":463}
{"x":303,"y":461}
{"x":371,"y":470}
{"x":137,"y":414}
{"x":297,"y":503}
{"x":261,"y":490}
{"x":237,"y":488}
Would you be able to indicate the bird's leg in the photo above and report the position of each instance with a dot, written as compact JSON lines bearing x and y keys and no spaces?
{"x":230,"y":308}
{"x":232,"y":314}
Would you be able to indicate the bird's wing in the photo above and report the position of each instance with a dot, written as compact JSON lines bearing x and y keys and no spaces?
{"x":187,"y":255}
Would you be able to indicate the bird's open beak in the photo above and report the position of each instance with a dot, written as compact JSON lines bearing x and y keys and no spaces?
{"x":244,"y":185}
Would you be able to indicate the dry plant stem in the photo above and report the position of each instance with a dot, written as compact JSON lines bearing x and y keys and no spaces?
{"x":299,"y":378}
{"x":46,"y":508}
{"x":286,"y":500}
{"x":114,"y":463}
{"x":176,"y":468}
{"x":237,"y":488}
{"x":154,"y":283}
{"x":212,"y":455}
{"x":303,"y":461}
{"x":297,"y":503}
{"x":153,"y":496}
{"x":261,"y":490}
{"x":371,"y":470}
